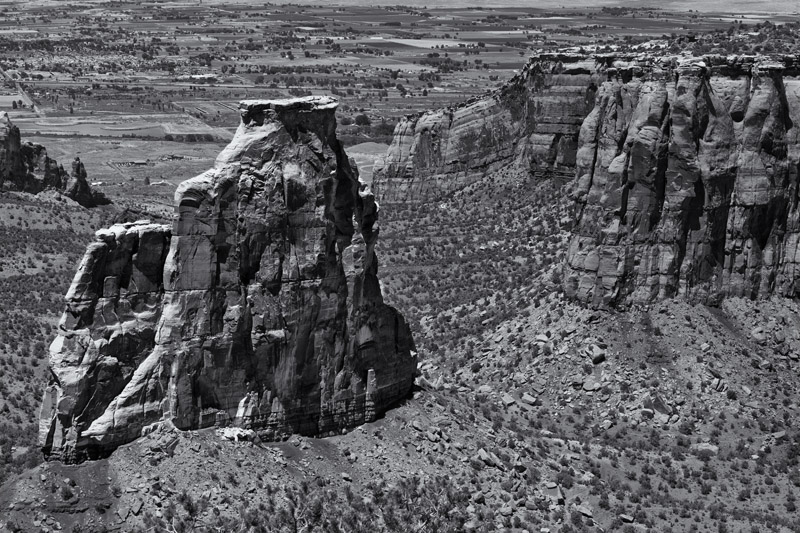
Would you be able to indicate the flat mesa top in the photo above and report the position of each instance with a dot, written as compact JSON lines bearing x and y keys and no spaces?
{"x":309,"y":103}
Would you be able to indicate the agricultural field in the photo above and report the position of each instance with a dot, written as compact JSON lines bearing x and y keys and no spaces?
{"x":147,"y":94}
{"x":172,"y":71}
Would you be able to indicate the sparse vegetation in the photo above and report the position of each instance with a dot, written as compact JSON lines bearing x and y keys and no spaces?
{"x":685,"y":424}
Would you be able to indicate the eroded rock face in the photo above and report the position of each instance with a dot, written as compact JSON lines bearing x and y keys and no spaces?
{"x":26,"y":167}
{"x":687,"y":183}
{"x":77,"y":187}
{"x":531,"y":123}
{"x":686,"y":171}
{"x":260,"y":307}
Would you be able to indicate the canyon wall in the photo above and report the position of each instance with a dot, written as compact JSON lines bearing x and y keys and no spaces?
{"x":685,"y":169}
{"x":530,"y":124}
{"x":687,"y":183}
{"x":260,"y":307}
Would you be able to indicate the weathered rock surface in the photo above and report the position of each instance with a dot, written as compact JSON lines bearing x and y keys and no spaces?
{"x":686,"y":170}
{"x":531,"y":124}
{"x":687,"y":183}
{"x":260,"y":307}
{"x":26,"y":167}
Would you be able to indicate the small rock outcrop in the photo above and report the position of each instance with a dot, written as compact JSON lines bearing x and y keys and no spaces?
{"x":530,"y":124}
{"x":77,"y":187}
{"x":687,"y":183}
{"x":259,"y":308}
{"x":26,"y":167}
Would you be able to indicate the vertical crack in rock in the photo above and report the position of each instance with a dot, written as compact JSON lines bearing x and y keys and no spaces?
{"x":259,"y":307}
{"x":662,"y":158}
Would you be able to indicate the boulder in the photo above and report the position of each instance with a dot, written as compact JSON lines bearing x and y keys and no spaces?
{"x":489,"y":459}
{"x":657,"y":403}
{"x":528,"y":399}
{"x":554,"y":493}
{"x":590,"y":385}
{"x":508,"y":400}
{"x":758,"y":335}
{"x":236,"y":434}
{"x":704,"y":447}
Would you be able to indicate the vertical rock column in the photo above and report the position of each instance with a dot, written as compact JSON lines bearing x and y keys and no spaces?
{"x":270,"y":314}
{"x":687,"y":179}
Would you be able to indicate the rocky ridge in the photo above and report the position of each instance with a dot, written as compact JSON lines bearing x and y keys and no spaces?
{"x":531,"y":123}
{"x":260,"y":307}
{"x":685,"y":170}
{"x":26,"y":167}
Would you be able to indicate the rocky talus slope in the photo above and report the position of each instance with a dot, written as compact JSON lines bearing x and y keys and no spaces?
{"x":531,"y":123}
{"x":260,"y":307}
{"x":26,"y":167}
{"x":687,"y":182}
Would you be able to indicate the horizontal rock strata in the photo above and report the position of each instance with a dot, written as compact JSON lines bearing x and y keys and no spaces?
{"x":530,"y":124}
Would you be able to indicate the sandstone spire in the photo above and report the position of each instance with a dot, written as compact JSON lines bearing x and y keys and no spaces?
{"x":260,"y":307}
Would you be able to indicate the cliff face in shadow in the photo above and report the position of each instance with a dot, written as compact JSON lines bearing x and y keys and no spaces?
{"x":260,"y":307}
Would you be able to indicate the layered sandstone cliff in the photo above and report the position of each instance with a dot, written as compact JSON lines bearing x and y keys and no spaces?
{"x":259,"y":307}
{"x":685,"y":169}
{"x":26,"y":167}
{"x":531,"y":123}
{"x":687,"y":183}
